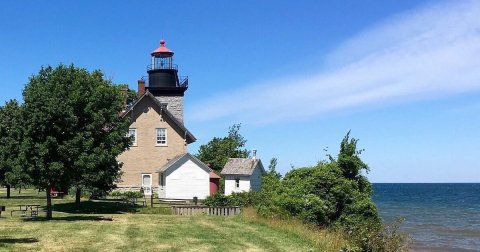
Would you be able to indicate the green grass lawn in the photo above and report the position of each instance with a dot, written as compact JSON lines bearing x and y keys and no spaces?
{"x":145,"y":228}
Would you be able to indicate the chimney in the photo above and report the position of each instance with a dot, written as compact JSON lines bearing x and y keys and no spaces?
{"x":141,"y":88}
{"x":254,"y":153}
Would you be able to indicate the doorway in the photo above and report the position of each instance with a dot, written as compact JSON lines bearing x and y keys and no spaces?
{"x":147,"y":184}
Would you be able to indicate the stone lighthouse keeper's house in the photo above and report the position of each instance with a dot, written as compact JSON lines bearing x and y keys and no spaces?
{"x":158,"y":159}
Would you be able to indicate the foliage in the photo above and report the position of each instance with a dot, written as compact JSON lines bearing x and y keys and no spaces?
{"x":348,"y":159}
{"x":216,"y":152}
{"x":73,"y":133}
{"x":11,"y":135}
{"x":272,"y":169}
{"x":131,"y":95}
{"x":333,"y":193}
{"x":241,"y":199}
{"x":127,"y":194}
{"x":368,"y":236}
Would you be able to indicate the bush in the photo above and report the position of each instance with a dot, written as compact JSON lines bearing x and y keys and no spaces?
{"x":333,"y":193}
{"x":235,"y":199}
{"x":218,"y":199}
{"x":116,"y":194}
{"x":372,"y":236}
{"x":126,"y":194}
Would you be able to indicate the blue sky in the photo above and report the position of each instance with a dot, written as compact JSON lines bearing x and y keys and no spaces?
{"x":403,"y":76}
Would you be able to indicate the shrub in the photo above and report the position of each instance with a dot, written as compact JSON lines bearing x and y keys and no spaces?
{"x":235,"y":199}
{"x":116,"y":194}
{"x":133,"y":194}
{"x":374,"y":236}
{"x":218,"y":199}
{"x":333,"y":193}
{"x":126,"y":194}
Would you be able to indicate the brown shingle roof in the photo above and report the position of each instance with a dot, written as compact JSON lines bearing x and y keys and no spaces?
{"x":241,"y":166}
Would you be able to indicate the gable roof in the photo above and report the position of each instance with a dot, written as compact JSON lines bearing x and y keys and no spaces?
{"x":241,"y":166}
{"x":181,"y":159}
{"x":190,"y":138}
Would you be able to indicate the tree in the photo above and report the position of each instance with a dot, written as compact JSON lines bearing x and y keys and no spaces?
{"x":216,"y":152}
{"x":73,"y":131}
{"x":349,"y":158}
{"x":331,"y":193}
{"x":11,"y":172}
{"x":272,"y":169}
{"x":131,"y":95}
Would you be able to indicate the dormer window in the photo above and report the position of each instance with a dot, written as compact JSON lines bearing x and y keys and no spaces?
{"x":132,"y":132}
{"x":161,"y":137}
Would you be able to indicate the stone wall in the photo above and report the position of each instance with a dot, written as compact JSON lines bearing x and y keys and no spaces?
{"x":175,"y":105}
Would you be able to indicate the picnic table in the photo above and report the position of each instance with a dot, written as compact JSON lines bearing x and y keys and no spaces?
{"x":23,"y":209}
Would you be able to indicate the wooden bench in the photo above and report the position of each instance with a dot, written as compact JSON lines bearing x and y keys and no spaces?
{"x":2,"y":209}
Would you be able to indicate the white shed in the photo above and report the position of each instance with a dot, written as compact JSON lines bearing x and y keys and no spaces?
{"x":242,"y":175}
{"x":184,"y":177}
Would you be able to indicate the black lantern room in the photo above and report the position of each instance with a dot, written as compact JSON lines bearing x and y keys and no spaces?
{"x":163,"y":76}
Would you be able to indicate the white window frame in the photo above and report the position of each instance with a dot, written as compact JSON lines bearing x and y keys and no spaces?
{"x":157,"y":137}
{"x":134,"y":143}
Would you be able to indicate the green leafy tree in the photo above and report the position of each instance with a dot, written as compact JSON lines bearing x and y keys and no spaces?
{"x":73,"y":131}
{"x":349,"y":159}
{"x":272,"y":169}
{"x":131,"y":95}
{"x":216,"y":152}
{"x":11,"y":130}
{"x":332,"y":193}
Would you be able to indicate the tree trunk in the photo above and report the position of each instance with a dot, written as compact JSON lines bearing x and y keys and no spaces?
{"x":8,"y":191}
{"x":49,"y":203}
{"x":78,"y":195}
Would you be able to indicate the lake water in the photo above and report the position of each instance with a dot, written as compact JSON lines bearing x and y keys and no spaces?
{"x":439,"y":217}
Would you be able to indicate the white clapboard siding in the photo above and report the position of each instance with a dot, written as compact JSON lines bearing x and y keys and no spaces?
{"x":256,"y":180}
{"x":187,"y":181}
{"x":244,"y":185}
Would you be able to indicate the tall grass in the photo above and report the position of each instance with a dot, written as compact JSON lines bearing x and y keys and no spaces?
{"x":324,"y":239}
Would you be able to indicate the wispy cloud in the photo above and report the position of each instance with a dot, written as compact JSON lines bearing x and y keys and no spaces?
{"x":423,"y":54}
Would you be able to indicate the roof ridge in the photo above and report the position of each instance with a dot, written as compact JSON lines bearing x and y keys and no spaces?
{"x":169,"y":115}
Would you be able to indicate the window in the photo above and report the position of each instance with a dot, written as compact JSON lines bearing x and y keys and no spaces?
{"x":237,"y":183}
{"x":161,"y":136}
{"x":133,"y":133}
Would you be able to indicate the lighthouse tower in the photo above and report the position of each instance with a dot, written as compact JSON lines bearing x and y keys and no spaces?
{"x":164,"y":82}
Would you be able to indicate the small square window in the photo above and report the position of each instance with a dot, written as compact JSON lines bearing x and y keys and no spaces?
{"x":162,"y":137}
{"x":237,"y":183}
{"x":133,"y":133}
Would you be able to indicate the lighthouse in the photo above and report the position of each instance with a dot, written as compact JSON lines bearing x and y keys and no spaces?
{"x":164,"y":82}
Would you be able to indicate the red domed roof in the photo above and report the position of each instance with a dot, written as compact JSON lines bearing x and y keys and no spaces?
{"x":162,"y":50}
